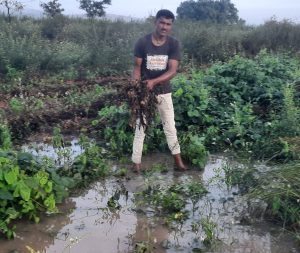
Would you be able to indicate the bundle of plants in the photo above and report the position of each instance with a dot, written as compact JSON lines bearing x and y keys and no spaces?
{"x":142,"y":103}
{"x":280,"y":189}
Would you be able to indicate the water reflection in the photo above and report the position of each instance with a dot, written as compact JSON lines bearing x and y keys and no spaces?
{"x":39,"y":236}
{"x":62,"y":156}
{"x":91,"y":223}
{"x":149,"y":235}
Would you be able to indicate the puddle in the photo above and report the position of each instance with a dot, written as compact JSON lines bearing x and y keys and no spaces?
{"x":87,"y":225}
{"x":61,"y":156}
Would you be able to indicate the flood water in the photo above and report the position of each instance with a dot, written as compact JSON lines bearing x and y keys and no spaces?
{"x":86,"y":224}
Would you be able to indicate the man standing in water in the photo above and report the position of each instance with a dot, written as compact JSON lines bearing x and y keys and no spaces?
{"x":156,"y":59}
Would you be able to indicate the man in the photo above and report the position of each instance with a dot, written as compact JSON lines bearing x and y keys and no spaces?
{"x":156,"y":59}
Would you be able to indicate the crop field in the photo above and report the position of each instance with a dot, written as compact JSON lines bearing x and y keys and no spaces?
{"x":66,"y":182}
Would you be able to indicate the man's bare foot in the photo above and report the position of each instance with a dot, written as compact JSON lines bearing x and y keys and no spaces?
{"x":137,"y":167}
{"x":179,"y":165}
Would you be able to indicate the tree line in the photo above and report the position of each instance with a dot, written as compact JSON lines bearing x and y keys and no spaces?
{"x":215,"y":11}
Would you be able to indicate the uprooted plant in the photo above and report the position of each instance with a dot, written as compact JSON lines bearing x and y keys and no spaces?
{"x":142,"y":103}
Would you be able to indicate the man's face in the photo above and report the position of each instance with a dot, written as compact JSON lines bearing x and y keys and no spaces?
{"x":163,"y":26}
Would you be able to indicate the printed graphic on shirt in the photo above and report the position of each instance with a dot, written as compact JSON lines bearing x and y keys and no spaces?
{"x":157,"y":62}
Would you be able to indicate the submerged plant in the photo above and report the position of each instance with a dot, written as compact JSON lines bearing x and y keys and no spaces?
{"x":143,"y":247}
{"x":89,"y":165}
{"x":63,"y":152}
{"x":239,"y":175}
{"x":209,"y":228}
{"x":122,"y":172}
{"x":31,"y":250}
{"x":155,"y":168}
{"x":279,"y":188}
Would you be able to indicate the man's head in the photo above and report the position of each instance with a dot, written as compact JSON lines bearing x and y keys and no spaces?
{"x":165,"y":14}
{"x":163,"y":22}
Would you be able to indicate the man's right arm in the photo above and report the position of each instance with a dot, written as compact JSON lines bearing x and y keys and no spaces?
{"x":136,"y":74}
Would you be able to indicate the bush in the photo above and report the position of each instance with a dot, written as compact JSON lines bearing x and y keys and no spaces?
{"x":245,"y":104}
{"x":22,"y":195}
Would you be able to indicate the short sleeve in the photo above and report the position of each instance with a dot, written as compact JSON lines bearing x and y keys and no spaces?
{"x":175,"y":50}
{"x":139,"y":49}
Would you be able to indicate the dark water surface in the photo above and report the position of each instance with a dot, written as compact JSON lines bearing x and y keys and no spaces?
{"x":87,"y":225}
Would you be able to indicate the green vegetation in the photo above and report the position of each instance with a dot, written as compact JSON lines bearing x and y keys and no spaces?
{"x":49,"y":46}
{"x":246,"y":105}
{"x":5,"y":138}
{"x":223,"y":12}
{"x":209,"y":227}
{"x":22,"y":194}
{"x":280,"y":189}
{"x":94,"y":8}
{"x":30,"y":185}
{"x":52,"y":8}
{"x":170,"y":202}
{"x":238,"y":90}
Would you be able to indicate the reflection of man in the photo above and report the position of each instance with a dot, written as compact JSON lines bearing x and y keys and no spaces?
{"x":149,"y":237}
{"x":156,"y":58}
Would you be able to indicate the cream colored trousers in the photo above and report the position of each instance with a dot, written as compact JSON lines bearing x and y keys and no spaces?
{"x":166,"y":112}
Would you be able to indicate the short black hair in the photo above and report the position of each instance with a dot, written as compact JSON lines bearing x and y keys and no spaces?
{"x":165,"y":14}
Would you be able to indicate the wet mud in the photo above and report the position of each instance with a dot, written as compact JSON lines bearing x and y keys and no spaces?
{"x":54,"y":110}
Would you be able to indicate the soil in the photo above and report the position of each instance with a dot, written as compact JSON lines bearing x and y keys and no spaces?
{"x":55,"y":112}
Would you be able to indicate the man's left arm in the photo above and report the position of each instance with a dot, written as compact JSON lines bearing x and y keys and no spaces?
{"x":172,"y":70}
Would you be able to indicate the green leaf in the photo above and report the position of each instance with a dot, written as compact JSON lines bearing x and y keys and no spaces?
{"x":27,"y":206}
{"x":179,"y":92}
{"x":12,"y":213}
{"x":12,"y":175}
{"x":32,"y":183}
{"x":193,"y":113}
{"x":276,"y":204}
{"x":42,"y":176}
{"x":36,"y":219}
{"x":48,"y":187}
{"x":50,"y":203}
{"x":25,"y":191}
{"x":5,"y":194}
{"x":3,"y":203}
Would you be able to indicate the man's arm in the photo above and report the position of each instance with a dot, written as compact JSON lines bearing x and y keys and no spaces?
{"x":136,"y":74}
{"x":172,"y":70}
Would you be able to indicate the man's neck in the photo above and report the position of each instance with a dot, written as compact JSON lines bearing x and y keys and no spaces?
{"x":157,"y":39}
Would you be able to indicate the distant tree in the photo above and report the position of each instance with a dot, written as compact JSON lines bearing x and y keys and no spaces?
{"x":216,"y":11}
{"x":11,"y":6}
{"x":94,"y":8}
{"x":52,"y":8}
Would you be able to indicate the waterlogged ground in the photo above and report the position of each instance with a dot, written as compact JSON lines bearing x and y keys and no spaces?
{"x":92,"y":223}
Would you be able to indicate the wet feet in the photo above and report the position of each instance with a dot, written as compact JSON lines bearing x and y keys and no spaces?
{"x":137,"y":167}
{"x":179,"y":165}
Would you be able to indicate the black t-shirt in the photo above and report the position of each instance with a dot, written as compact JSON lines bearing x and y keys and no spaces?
{"x":155,"y":59}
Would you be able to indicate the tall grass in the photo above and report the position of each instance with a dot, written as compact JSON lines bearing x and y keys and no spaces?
{"x":54,"y":45}
{"x":280,"y":188}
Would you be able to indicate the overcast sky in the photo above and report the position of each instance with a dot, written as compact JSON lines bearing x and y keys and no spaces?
{"x":253,"y":11}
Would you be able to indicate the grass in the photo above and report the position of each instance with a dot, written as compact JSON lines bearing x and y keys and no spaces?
{"x":280,"y":189}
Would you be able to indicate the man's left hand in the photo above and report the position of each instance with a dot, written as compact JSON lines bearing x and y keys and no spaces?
{"x":150,"y":85}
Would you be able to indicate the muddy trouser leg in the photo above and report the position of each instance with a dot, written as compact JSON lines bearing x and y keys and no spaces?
{"x":138,"y":141}
{"x":166,"y":111}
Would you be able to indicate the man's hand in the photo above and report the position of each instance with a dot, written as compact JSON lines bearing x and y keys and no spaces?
{"x":135,"y":82}
{"x":150,"y":84}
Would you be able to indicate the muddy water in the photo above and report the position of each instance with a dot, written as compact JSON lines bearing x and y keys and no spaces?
{"x":87,"y":225}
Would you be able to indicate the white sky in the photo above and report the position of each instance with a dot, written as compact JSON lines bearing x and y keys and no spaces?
{"x":253,"y":11}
